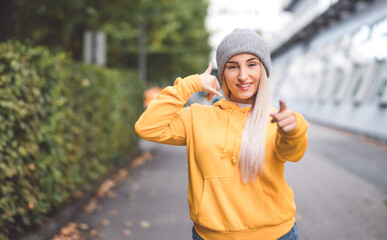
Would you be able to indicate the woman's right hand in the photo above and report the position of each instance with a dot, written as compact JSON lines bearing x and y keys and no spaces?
{"x":210,"y":84}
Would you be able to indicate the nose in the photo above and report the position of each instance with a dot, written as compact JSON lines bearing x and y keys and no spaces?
{"x":243,"y":75}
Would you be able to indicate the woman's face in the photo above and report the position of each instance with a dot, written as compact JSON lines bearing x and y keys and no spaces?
{"x":242,"y":74}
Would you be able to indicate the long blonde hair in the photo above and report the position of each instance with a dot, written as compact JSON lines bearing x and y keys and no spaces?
{"x":252,"y":153}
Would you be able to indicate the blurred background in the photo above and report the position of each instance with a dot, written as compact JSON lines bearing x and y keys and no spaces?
{"x":328,"y":56}
{"x":76,"y":74}
{"x":341,"y":42}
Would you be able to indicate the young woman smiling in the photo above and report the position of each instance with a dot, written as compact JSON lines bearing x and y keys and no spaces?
{"x":242,"y":74}
{"x":237,"y":148}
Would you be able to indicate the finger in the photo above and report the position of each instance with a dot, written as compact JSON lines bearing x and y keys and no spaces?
{"x":209,"y":69}
{"x":283,"y":106}
{"x":214,"y":83}
{"x":214,"y":92}
{"x":272,"y":115}
{"x":280,"y":116}
{"x":289,"y":127}
{"x":285,"y":122}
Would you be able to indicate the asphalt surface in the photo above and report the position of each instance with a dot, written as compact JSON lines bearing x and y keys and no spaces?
{"x":340,"y":191}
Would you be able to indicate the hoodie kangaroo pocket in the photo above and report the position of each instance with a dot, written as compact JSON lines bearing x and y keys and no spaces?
{"x":228,"y":204}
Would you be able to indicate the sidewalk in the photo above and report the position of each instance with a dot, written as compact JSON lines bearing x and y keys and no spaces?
{"x":340,"y":192}
{"x":151,"y":204}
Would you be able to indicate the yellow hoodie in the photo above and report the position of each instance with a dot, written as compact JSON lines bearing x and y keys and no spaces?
{"x":221,"y":205}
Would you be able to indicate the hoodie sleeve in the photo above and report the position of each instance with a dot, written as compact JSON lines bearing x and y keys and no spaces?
{"x":165,"y":120}
{"x":291,"y":146}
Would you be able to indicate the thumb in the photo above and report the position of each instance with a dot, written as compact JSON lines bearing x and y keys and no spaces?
{"x":283,"y":106}
{"x":209,"y":69}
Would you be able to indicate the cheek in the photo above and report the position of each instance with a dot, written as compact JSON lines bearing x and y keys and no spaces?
{"x":229,"y":78}
{"x":257,"y":77}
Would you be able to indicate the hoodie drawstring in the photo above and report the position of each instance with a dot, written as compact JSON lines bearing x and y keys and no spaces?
{"x":224,"y":152}
{"x":228,"y":130}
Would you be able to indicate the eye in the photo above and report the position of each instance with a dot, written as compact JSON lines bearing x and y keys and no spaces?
{"x":232,"y":67}
{"x":252,"y":64}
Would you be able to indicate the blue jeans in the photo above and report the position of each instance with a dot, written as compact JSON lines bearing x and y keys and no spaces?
{"x":291,"y":235}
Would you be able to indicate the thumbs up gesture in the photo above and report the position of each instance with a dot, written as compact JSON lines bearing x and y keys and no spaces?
{"x":285,"y":118}
{"x":210,"y":84}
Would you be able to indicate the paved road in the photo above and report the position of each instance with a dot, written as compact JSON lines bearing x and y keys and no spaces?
{"x":340,"y":190}
{"x":340,"y":187}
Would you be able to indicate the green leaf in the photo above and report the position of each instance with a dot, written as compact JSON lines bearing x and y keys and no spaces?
{"x":9,"y":172}
{"x":7,"y":104}
{"x":23,"y":152}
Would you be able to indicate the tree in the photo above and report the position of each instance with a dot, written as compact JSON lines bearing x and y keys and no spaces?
{"x":177,"y":40}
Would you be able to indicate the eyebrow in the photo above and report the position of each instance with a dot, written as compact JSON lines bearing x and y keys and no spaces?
{"x":254,"y":58}
{"x":234,"y":62}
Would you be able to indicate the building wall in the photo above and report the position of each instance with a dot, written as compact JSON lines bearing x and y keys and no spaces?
{"x":340,"y":77}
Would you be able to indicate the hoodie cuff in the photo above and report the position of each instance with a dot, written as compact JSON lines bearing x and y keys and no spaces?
{"x":196,"y":81}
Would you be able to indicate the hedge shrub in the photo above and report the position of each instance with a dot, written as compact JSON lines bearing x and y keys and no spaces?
{"x":62,"y":125}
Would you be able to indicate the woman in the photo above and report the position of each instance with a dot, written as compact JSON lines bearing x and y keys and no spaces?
{"x":236,"y":148}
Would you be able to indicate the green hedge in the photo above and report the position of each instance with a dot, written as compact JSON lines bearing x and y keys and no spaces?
{"x":62,"y":125}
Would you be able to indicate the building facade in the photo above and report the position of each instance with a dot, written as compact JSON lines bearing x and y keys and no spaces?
{"x":330,"y":63}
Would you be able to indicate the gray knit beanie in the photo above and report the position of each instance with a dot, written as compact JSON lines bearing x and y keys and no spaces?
{"x":242,"y":41}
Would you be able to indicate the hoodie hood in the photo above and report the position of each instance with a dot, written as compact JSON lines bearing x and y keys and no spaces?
{"x":227,"y":104}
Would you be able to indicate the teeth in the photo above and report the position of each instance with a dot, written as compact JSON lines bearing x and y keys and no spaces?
{"x":245,"y":85}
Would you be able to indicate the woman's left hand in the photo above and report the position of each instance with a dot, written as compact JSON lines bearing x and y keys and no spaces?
{"x":285,"y":118}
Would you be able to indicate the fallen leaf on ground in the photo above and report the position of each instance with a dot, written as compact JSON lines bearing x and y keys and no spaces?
{"x":120,"y":175}
{"x":105,"y":187}
{"x":144,"y":224}
{"x":105,"y":222}
{"x":142,"y":159}
{"x":127,"y":232}
{"x":92,"y":205}
{"x":69,"y":232}
{"x":128,"y":223}
{"x":84,"y":226}
{"x":95,"y":231}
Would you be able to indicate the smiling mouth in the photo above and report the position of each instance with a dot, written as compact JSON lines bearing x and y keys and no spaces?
{"x":244,"y":86}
